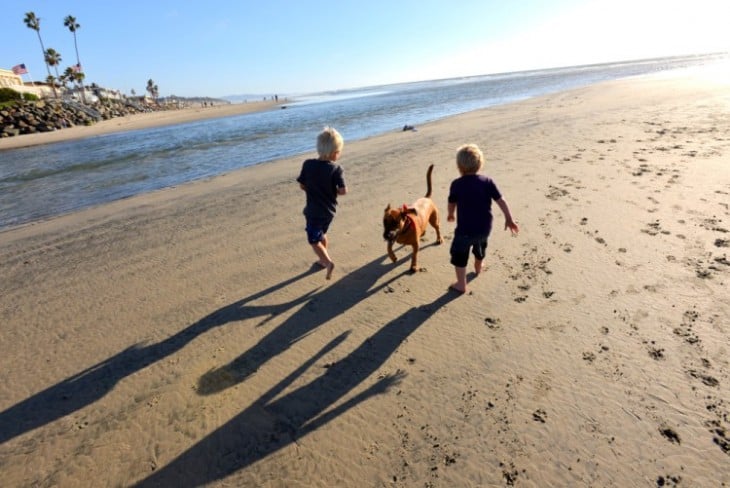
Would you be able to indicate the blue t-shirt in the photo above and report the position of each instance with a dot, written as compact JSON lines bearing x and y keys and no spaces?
{"x":321,"y":179}
{"x":473,"y":195}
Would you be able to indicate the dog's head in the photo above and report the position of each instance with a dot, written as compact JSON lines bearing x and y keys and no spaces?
{"x":393,"y":221}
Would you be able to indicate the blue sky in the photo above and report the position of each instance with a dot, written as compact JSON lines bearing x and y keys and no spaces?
{"x":226,"y":47}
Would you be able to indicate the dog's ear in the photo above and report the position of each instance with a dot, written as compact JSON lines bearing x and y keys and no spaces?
{"x":387,"y":209}
{"x":405,"y":210}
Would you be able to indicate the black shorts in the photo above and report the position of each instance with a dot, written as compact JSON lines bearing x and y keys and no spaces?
{"x":316,"y":229}
{"x":461,"y":245}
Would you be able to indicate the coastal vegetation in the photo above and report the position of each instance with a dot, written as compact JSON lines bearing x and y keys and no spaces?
{"x":33,"y":22}
{"x":75,"y":73}
{"x":25,"y":113}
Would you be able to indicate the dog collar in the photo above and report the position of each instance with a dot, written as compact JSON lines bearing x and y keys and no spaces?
{"x":407,"y":224}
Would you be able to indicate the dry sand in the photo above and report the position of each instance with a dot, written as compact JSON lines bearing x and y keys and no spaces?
{"x":181,"y":338}
{"x":137,"y":121}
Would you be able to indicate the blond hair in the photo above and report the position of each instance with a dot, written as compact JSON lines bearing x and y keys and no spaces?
{"x":329,"y":141}
{"x":469,"y":159}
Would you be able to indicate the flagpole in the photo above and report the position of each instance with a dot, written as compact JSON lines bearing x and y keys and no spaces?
{"x":31,"y":78}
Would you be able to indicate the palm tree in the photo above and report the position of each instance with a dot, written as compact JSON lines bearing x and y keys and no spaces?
{"x":53,"y":58}
{"x":79,"y":77}
{"x":33,"y":22}
{"x":68,"y":75}
{"x":51,"y":80}
{"x":152,"y":89}
{"x":72,"y":75}
{"x":72,"y":25}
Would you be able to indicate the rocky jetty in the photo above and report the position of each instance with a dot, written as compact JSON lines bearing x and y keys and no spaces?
{"x":28,"y":117}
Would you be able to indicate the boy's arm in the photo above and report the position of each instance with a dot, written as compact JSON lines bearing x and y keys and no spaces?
{"x":451,"y":208}
{"x":342,"y":190}
{"x":508,"y":222}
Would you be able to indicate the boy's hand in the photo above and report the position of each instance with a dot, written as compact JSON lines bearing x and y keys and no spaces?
{"x":512,"y":226}
{"x":450,"y":218}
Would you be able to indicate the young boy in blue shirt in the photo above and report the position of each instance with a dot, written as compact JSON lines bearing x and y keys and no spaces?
{"x":322,"y":180}
{"x":470,"y":197}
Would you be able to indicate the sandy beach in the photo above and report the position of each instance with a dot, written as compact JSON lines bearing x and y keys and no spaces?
{"x":183,"y":338}
{"x":136,"y":122}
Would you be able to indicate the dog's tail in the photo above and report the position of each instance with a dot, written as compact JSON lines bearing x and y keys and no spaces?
{"x":428,"y":181}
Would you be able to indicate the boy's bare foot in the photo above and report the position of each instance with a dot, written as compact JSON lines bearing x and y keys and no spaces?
{"x":457,"y":288}
{"x":330,"y":269}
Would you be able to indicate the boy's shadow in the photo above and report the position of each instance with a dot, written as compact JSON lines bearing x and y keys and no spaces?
{"x":319,"y":309}
{"x":273,"y":422}
{"x":92,"y":384}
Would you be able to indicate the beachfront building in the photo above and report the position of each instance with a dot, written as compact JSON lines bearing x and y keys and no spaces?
{"x":8,"y":79}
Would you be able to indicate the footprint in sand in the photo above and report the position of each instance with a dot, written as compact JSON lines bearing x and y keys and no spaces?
{"x":539,"y":415}
{"x":670,"y":435}
{"x":492,"y":323}
{"x":656,"y":353}
{"x":668,"y":480}
{"x":719,"y":427}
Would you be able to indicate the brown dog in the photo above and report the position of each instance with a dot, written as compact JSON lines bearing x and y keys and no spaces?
{"x":406,"y":225}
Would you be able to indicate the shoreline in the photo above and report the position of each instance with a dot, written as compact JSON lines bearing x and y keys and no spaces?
{"x":714,"y":70}
{"x":183,"y":338}
{"x":137,"y":122}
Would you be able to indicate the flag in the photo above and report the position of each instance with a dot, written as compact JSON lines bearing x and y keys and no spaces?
{"x":19,"y":69}
{"x":77,"y":67}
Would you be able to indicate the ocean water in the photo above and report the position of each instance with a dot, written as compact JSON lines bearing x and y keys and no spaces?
{"x":43,"y":181}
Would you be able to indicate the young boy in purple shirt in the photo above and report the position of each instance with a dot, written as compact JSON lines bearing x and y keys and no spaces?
{"x":322,"y":180}
{"x":470,"y":197}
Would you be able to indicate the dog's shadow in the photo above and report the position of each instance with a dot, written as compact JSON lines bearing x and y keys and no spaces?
{"x":95,"y":382}
{"x":316,"y":309}
{"x":278,"y":419}
{"x":406,"y":257}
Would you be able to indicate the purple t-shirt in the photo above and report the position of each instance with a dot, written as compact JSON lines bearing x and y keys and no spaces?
{"x":473,"y":195}
{"x":321,"y":179}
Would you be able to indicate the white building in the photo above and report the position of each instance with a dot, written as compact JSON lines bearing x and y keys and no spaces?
{"x":8,"y":79}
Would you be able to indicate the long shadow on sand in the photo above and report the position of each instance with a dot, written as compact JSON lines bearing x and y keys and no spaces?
{"x":269,"y":425}
{"x":321,"y":307}
{"x":95,"y":382}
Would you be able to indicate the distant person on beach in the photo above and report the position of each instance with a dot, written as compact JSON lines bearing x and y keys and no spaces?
{"x":322,"y":180}
{"x":470,"y":197}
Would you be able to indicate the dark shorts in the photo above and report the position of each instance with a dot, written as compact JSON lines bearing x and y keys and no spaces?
{"x":316,"y":229}
{"x":461,"y":245}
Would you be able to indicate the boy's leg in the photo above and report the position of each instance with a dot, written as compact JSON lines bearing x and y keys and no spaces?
{"x":317,"y":237}
{"x":324,"y":258}
{"x":460,"y":284}
{"x":459,"y":258}
{"x":479,"y":251}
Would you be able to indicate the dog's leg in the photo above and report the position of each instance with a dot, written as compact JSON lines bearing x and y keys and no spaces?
{"x":391,"y":254}
{"x":414,"y":258}
{"x":434,"y":221}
